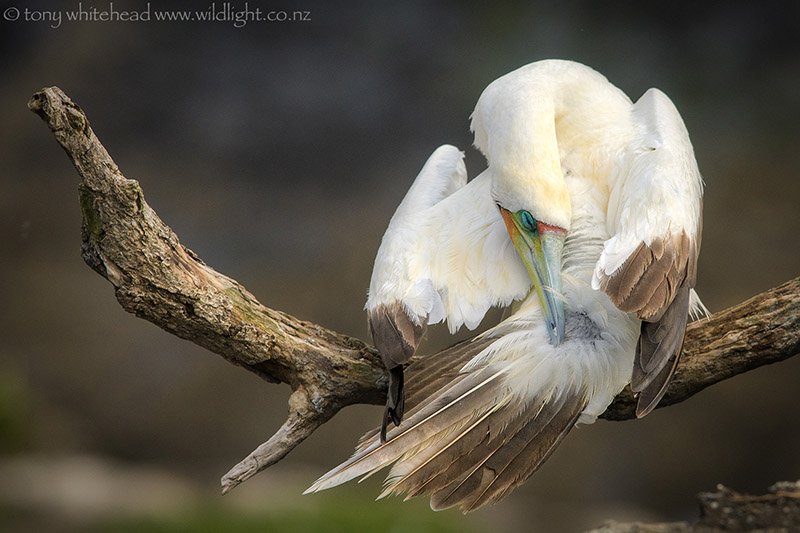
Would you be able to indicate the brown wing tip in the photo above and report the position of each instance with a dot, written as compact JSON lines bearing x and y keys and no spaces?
{"x":648,"y":280}
{"x":395,"y":334}
{"x":650,"y":393}
{"x":645,"y":408}
{"x":658,"y":352}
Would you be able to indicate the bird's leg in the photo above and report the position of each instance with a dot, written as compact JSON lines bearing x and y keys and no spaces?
{"x":395,"y":400}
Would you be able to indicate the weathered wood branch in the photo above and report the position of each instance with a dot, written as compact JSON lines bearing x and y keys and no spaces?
{"x":158,"y":279}
{"x":778,"y":511}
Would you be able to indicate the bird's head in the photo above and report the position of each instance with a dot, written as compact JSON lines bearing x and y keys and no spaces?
{"x":514,"y":123}
{"x":529,"y":188}
{"x":531,"y":192}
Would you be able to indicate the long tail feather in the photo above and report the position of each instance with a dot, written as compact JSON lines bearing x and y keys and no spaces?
{"x":492,"y":438}
{"x":536,"y":452}
{"x":427,"y":376}
{"x":483,"y":415}
{"x":450,"y":409}
{"x":514,"y":461}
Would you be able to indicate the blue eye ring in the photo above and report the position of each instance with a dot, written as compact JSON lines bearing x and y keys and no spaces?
{"x":527,"y":220}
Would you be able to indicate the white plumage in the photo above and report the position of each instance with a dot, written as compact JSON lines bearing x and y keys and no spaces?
{"x":446,"y":253}
{"x":655,"y":186}
{"x":600,"y":205}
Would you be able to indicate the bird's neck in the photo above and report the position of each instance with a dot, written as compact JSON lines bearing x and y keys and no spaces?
{"x":542,"y":122}
{"x":584,"y":242}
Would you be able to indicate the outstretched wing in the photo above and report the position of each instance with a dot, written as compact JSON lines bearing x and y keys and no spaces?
{"x":446,"y":255}
{"x":649,"y":265}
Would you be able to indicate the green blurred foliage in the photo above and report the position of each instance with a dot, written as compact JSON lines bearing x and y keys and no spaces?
{"x":15,"y":414}
{"x":340,"y":516}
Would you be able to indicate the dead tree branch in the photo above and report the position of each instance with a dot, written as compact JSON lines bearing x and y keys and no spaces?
{"x":776,"y":511}
{"x":158,"y":279}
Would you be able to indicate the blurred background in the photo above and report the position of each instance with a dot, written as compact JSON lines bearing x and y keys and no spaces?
{"x":278,"y":151}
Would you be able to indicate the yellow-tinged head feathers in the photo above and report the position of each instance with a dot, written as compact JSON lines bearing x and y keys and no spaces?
{"x":523,"y":121}
{"x":515,"y":129}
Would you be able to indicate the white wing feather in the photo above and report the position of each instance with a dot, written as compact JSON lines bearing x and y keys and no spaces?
{"x":446,"y":253}
{"x":656,"y":188}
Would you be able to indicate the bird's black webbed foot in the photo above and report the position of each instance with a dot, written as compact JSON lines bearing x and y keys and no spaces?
{"x":395,"y":400}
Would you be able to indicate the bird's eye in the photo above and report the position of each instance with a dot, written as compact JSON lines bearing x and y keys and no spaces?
{"x":528,"y":222}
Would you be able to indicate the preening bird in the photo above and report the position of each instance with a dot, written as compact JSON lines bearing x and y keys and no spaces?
{"x":588,"y":219}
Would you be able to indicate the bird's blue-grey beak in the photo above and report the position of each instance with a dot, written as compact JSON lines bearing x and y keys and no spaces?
{"x":541,"y":249}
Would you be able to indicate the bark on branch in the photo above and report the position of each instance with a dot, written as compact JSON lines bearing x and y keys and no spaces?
{"x":777,"y":511}
{"x":158,"y":279}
